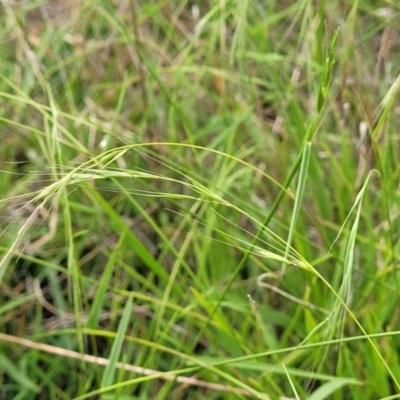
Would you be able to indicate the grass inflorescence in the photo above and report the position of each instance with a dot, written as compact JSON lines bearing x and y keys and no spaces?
{"x":199,"y":199}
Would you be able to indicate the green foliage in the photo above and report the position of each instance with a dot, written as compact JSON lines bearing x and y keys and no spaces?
{"x":199,"y":199}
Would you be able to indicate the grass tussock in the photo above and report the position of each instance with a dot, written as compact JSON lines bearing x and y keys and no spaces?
{"x":199,"y":200}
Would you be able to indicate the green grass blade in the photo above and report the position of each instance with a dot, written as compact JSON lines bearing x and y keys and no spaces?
{"x":109,"y":372}
{"x":131,"y":238}
{"x":99,"y":298}
{"x":298,"y":198}
{"x":17,"y":375}
{"x":327,"y":389}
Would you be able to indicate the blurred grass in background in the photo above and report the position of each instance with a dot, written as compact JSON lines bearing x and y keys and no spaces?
{"x":199,"y":200}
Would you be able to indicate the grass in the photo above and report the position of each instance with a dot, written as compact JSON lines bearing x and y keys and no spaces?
{"x":199,"y":200}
